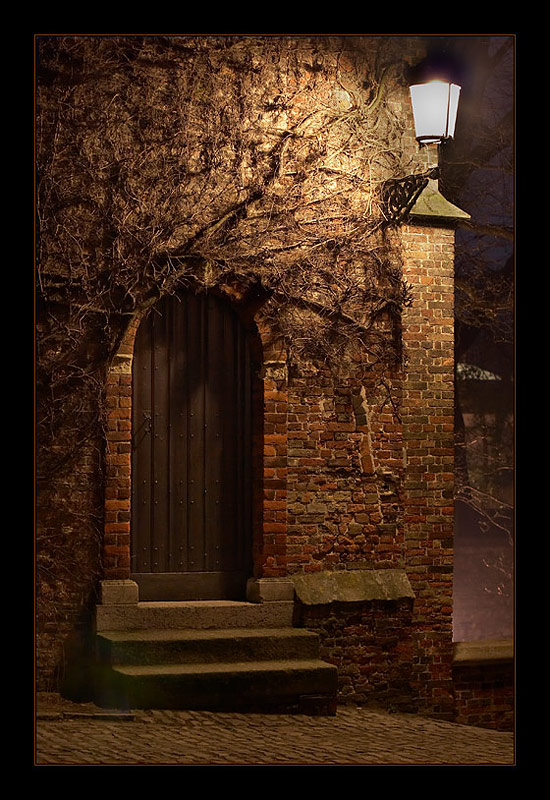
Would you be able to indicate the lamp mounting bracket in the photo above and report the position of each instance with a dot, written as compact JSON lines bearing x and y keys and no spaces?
{"x":400,"y":194}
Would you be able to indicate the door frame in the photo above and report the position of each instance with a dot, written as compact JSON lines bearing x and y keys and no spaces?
{"x":270,"y":436}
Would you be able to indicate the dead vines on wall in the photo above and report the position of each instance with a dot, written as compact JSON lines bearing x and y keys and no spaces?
{"x":166,"y":161}
{"x":257,"y":157}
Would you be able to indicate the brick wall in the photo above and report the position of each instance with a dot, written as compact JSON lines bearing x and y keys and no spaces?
{"x":68,"y":543}
{"x":343,"y":471}
{"x":484,"y":695}
{"x":116,"y":545}
{"x":484,"y":683}
{"x":271,"y":545}
{"x":428,"y":424}
{"x":69,"y":491}
{"x":370,"y":486}
{"x":371,"y":644}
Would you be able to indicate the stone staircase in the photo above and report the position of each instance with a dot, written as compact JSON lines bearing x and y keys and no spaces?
{"x":210,"y":655}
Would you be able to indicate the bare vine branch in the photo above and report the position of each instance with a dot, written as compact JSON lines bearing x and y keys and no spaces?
{"x":207,"y":161}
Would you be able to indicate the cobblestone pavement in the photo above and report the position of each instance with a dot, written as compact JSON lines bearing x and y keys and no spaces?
{"x":354,"y":737}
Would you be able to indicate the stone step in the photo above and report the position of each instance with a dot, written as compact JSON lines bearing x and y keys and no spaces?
{"x":296,"y":685}
{"x":206,"y":646}
{"x":210,"y":654}
{"x":196,"y":614}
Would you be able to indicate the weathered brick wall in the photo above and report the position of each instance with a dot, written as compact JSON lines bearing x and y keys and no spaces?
{"x":68,"y":547}
{"x":371,"y":644}
{"x":343,"y":476}
{"x":69,"y":491}
{"x":484,"y":695}
{"x":370,"y":486}
{"x":428,"y":424}
{"x":271,"y":545}
{"x":116,"y":543}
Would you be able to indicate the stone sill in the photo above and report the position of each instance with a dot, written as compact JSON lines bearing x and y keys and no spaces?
{"x":356,"y":586}
{"x":483,"y":653}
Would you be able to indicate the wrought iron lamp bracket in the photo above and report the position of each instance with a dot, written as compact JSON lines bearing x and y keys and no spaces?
{"x":400,"y":194}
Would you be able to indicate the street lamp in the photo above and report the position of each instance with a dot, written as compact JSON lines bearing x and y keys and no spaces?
{"x":435,"y":90}
{"x":434,"y":97}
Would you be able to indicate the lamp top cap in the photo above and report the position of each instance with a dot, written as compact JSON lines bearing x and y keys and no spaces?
{"x":437,"y":65}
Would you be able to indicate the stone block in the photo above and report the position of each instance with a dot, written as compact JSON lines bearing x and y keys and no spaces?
{"x":352,"y":586}
{"x":262,"y":590}
{"x":124,"y":592}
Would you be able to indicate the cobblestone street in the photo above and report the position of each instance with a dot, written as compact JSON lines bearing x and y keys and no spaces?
{"x":354,"y":737}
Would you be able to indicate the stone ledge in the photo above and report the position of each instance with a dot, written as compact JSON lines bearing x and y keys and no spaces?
{"x":432,"y":205}
{"x":321,"y":588}
{"x":494,"y":651}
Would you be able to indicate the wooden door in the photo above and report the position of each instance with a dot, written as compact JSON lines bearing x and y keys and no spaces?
{"x":191,"y":451}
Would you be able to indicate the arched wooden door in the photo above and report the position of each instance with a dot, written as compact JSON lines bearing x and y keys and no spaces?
{"x":191,"y":452}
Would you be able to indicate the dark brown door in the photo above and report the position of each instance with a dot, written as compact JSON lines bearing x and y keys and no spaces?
{"x":191,"y":455}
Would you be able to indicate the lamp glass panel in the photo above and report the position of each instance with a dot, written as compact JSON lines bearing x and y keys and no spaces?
{"x":454,"y":94}
{"x":434,"y":105}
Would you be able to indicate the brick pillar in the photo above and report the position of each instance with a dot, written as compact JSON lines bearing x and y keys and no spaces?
{"x":116,"y":542}
{"x":274,"y":507}
{"x":428,"y":425}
